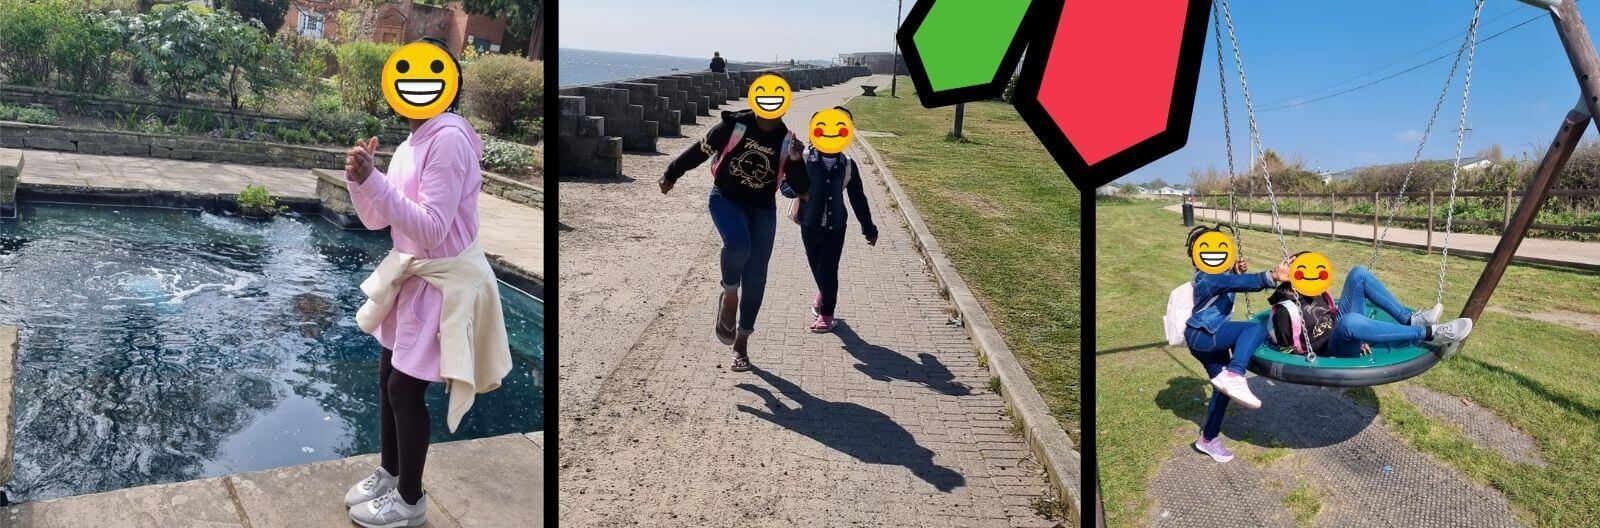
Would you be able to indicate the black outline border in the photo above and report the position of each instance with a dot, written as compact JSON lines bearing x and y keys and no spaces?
{"x":1088,"y":177}
{"x":919,"y":72}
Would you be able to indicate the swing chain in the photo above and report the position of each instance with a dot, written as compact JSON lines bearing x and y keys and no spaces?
{"x":1227,"y":137}
{"x":1257,"y":153}
{"x":1416,"y":157}
{"x":1461,"y":131}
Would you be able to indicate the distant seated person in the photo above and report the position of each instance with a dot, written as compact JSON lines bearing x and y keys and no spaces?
{"x":717,"y":64}
{"x":1306,"y":320}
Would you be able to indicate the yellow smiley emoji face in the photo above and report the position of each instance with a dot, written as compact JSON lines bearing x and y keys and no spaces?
{"x":769,"y":96}
{"x":1310,"y":274}
{"x":420,"y":80}
{"x":1213,"y":252}
{"x":831,"y":130}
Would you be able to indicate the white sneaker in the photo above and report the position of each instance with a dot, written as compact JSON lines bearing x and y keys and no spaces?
{"x":1214,"y":449}
{"x":1427,"y":317}
{"x":1235,"y":387}
{"x":372,"y":487}
{"x":391,"y":511}
{"x":1448,"y":336}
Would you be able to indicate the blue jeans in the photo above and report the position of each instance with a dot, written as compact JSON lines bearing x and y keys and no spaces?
{"x":747,"y":231}
{"x":1240,"y":337}
{"x":823,"y":250}
{"x":1212,"y":350}
{"x":1354,"y":327}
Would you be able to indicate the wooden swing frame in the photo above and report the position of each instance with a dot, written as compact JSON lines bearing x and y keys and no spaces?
{"x":1581,"y":53}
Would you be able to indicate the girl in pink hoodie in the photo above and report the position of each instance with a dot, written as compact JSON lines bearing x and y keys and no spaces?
{"x":429,"y":202}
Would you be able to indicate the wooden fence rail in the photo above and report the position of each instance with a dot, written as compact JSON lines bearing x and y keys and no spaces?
{"x":1235,"y":206}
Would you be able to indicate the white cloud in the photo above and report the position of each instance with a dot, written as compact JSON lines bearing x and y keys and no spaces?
{"x":1410,"y":135}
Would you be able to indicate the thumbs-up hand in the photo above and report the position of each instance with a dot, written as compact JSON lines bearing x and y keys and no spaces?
{"x":358,"y":162}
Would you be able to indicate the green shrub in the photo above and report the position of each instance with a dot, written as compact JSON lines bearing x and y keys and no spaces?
{"x":25,"y":33}
{"x":175,"y":47}
{"x":249,"y":57}
{"x":506,"y":156}
{"x":254,"y":198}
{"x":85,"y":50}
{"x":360,"y":71}
{"x":25,"y":114}
{"x":502,"y":89}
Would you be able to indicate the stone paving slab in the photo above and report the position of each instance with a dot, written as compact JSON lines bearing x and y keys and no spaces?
{"x":1362,"y":474}
{"x":489,"y":481}
{"x":512,"y":231}
{"x":886,"y":422}
{"x":494,"y":481}
{"x":8,"y":373}
{"x":1536,"y":250}
{"x":198,"y":503}
{"x":313,"y":494}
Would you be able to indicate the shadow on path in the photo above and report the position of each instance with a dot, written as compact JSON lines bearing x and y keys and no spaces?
{"x":1293,"y":416}
{"x":884,"y":364}
{"x":853,"y":429}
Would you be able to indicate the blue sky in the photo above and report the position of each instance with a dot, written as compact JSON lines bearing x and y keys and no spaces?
{"x":758,"y":30}
{"x":1522,"y":84}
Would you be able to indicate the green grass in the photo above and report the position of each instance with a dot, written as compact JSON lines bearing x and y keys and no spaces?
{"x":1007,"y":218}
{"x":1305,"y":502}
{"x":1540,"y":377}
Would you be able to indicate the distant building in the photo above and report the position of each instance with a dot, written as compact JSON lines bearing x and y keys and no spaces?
{"x":1107,"y":190}
{"x":398,"y":21}
{"x":1468,"y":164}
{"x":1166,"y":191}
{"x":881,"y":62}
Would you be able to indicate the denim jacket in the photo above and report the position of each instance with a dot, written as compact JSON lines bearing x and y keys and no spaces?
{"x":824,"y":208}
{"x":1222,"y":286}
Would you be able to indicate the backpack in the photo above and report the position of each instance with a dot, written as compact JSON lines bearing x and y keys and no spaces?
{"x":1180,"y":306}
{"x":733,"y":141}
{"x":1296,"y":338}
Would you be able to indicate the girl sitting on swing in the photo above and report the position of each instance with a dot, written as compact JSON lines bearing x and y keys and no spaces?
{"x":1306,"y":319}
{"x":1223,"y":346}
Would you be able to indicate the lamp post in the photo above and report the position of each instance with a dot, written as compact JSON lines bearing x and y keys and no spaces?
{"x":894,"y":66}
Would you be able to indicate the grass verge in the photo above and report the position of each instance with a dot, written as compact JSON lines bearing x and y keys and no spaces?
{"x":1538,"y":376}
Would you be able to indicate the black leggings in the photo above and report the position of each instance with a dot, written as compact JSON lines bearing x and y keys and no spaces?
{"x":403,"y":418}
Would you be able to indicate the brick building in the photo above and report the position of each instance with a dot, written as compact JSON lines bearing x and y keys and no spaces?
{"x":400,"y":21}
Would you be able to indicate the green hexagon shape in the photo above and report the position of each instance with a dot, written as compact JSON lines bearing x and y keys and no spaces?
{"x":963,"y":42}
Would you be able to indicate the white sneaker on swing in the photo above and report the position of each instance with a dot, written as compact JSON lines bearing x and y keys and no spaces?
{"x":1427,"y":317}
{"x":1448,"y":336}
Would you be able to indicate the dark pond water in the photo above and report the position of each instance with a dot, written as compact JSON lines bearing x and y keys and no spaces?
{"x":161,"y":346}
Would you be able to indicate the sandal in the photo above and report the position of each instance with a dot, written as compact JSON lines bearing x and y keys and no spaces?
{"x":741,"y":362}
{"x":823,"y":325}
{"x":724,"y":333}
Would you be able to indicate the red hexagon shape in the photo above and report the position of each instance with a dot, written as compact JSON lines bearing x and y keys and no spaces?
{"x":1109,"y":88}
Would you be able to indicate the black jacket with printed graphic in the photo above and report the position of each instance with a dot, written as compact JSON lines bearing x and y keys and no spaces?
{"x":1317,"y":315}
{"x":750,"y":174}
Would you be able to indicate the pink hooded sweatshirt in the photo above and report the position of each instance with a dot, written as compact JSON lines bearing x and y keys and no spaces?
{"x":429,"y":202}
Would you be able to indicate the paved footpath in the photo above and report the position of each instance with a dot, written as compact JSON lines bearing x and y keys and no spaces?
{"x":1538,"y":250}
{"x":510,"y":230}
{"x":1313,"y":442}
{"x":887,"y":422}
